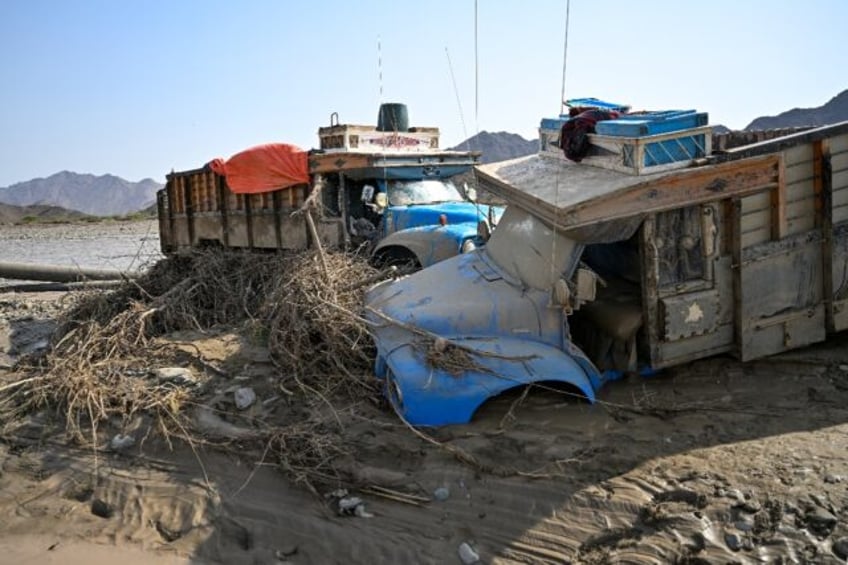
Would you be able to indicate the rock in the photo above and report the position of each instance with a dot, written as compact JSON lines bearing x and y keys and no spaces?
{"x":121,"y":442}
{"x":735,"y":494}
{"x":820,"y":520}
{"x":840,"y":548}
{"x":467,"y":554}
{"x":244,"y":397}
{"x":750,"y":506}
{"x":353,"y":506}
{"x":178,"y":375}
{"x":101,"y":508}
{"x":744,"y":524}
{"x":441,"y":494}
{"x":833,"y":479}
{"x":732,"y":541}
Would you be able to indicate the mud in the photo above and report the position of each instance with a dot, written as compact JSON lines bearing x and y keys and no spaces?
{"x":713,"y":462}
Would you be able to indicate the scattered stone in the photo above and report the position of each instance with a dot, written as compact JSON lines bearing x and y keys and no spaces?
{"x":750,"y":506}
{"x":244,"y":397}
{"x":840,"y":548}
{"x":733,"y":542}
{"x":833,"y":479}
{"x":441,"y":494}
{"x":121,"y":442}
{"x":353,"y":506}
{"x":467,"y":554}
{"x":843,"y":368}
{"x":820,"y":520}
{"x":744,"y":524}
{"x":735,"y":494}
{"x":285,"y":552}
{"x":178,"y":375}
{"x":101,"y":508}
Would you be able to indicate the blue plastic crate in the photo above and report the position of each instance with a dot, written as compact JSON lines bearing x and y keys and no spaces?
{"x":652,"y":123}
{"x":684,"y":148}
{"x":595,"y":103}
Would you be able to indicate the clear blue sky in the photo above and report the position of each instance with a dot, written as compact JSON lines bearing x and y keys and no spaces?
{"x":136,"y":88}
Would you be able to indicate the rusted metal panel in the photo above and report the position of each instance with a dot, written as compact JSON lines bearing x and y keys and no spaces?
{"x":691,"y":314}
{"x":781,"y":333}
{"x":780,"y":295}
{"x":697,"y":347}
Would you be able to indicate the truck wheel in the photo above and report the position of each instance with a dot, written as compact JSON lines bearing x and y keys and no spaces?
{"x":403,"y":259}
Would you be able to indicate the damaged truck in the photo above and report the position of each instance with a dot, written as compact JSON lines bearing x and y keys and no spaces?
{"x":625,"y":263}
{"x":387,"y":188}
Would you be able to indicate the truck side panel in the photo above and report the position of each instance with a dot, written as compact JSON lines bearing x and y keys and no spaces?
{"x":197,"y":208}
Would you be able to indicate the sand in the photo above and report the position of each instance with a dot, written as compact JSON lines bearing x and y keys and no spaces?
{"x":713,"y":462}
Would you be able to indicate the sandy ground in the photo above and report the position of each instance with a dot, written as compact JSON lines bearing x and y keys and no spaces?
{"x":713,"y":462}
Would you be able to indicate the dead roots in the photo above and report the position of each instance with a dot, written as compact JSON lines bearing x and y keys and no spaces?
{"x":97,"y":375}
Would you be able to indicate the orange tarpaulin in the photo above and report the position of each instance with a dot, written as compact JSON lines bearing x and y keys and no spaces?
{"x":264,"y":168}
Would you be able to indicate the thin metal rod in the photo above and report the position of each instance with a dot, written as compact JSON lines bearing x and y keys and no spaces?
{"x":564,"y":56}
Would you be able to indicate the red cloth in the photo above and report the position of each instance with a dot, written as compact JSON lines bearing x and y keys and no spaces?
{"x":264,"y":168}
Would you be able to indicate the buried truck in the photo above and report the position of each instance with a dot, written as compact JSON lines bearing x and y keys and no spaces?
{"x":387,"y":188}
{"x":594,"y":273}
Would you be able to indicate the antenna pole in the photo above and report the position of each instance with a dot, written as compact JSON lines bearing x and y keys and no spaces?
{"x":476,"y":76}
{"x":564,"y":56}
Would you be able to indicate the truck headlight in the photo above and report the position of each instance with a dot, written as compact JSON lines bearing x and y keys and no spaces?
{"x":468,"y":245}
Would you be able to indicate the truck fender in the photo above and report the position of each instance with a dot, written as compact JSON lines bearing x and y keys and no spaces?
{"x":429,"y":396}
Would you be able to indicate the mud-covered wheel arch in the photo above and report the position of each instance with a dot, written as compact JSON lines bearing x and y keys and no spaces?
{"x":558,"y":391}
{"x":396,"y":256}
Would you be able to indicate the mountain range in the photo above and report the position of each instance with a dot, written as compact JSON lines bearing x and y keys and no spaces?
{"x":108,"y":195}
{"x":105,"y":195}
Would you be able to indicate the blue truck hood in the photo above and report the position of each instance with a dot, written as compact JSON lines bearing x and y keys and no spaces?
{"x":417,"y":215}
{"x":470,"y":304}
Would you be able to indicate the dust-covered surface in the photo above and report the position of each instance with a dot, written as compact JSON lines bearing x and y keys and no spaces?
{"x":713,"y":462}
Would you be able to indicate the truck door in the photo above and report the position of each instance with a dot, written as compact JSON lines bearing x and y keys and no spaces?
{"x":778,"y":246}
{"x":687,"y":284}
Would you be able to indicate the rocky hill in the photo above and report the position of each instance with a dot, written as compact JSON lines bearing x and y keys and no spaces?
{"x":10,"y":214}
{"x":498,"y":146}
{"x":104,"y":195}
{"x":834,"y":111}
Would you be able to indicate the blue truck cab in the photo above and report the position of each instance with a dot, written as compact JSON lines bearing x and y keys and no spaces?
{"x":421,"y":221}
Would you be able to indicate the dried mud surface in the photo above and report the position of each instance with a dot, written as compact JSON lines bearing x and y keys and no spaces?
{"x":713,"y":462}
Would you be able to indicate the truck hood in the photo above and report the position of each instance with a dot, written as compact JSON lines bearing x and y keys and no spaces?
{"x":405,"y":217}
{"x":505,"y":334}
{"x":461,"y":296}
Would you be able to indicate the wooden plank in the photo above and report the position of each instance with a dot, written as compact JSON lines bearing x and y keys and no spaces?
{"x":839,"y":161}
{"x":839,"y":179}
{"x":820,"y":163}
{"x":801,"y":189}
{"x":778,"y":203}
{"x":805,"y":208}
{"x":839,"y":144}
{"x":799,"y":172}
{"x":756,"y":202}
{"x":736,"y":246}
{"x":798,"y":154}
{"x":755,"y":221}
{"x":650,"y":287}
{"x":800,"y":225}
{"x":755,"y":237}
{"x":689,"y":187}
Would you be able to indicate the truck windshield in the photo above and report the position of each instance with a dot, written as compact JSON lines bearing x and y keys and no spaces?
{"x":529,"y":250}
{"x":408,"y":192}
